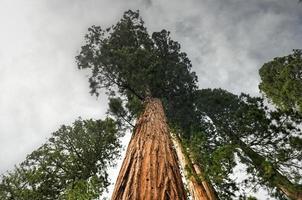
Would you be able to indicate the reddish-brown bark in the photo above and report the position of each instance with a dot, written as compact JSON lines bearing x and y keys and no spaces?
{"x":150,"y":169}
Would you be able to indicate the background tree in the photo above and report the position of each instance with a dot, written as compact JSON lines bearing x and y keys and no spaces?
{"x":269,"y":142}
{"x":71,"y":165}
{"x":282,"y":81}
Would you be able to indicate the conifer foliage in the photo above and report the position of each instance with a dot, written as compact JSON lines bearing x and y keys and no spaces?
{"x":127,"y":61}
{"x":282,"y":80}
{"x":268,"y":142}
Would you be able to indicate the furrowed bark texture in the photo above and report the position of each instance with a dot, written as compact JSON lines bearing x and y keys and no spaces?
{"x":199,"y":189}
{"x":150,"y":169}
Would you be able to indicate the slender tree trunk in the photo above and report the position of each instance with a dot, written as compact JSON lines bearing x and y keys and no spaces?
{"x":291,"y":190}
{"x":199,"y":188}
{"x":206,"y":184}
{"x":150,"y":169}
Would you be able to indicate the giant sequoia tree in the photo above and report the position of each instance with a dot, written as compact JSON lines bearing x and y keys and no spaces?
{"x":153,"y":77}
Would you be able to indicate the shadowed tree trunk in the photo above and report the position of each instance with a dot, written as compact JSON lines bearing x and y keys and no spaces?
{"x":150,"y":169}
{"x":199,"y":188}
{"x":207,"y":185}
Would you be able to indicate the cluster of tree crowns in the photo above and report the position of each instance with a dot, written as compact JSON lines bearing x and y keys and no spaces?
{"x":218,"y":128}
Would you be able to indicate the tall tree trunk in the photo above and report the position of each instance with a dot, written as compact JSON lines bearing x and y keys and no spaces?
{"x":199,"y":188}
{"x":150,"y":169}
{"x":281,"y":182}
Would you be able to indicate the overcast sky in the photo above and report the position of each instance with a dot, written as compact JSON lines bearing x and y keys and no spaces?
{"x":41,"y":88}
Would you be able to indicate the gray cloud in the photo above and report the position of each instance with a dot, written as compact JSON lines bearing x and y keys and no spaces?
{"x":229,"y":40}
{"x":41,"y":88}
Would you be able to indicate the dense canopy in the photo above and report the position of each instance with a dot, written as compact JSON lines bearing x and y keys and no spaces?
{"x":71,"y":165}
{"x":282,"y":80}
{"x":126,"y":59}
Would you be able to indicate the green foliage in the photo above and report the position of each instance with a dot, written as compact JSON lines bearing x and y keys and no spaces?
{"x":217,"y":161}
{"x":282,"y":81}
{"x":83,"y":190}
{"x":121,"y":113}
{"x":126,"y":59}
{"x":71,"y":165}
